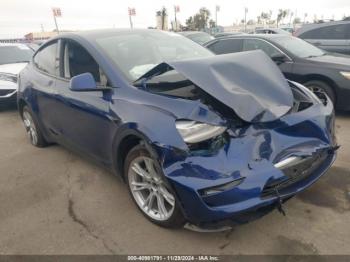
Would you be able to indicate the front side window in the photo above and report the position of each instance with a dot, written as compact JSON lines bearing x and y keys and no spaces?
{"x":256,"y":44}
{"x":328,"y":32}
{"x":227,"y":46}
{"x":46,"y":59}
{"x":77,"y":60}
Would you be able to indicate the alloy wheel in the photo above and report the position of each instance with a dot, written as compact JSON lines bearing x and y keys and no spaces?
{"x":30,"y":128}
{"x":319,"y":92}
{"x":149,"y":190}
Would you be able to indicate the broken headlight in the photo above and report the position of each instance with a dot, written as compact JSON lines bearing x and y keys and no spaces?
{"x":195,"y":132}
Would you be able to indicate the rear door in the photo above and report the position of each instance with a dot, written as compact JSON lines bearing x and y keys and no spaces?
{"x":45,"y":64}
{"x":333,"y":38}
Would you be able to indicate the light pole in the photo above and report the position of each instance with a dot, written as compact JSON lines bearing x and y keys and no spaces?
{"x":132,"y":12}
{"x":245,"y":19}
{"x":176,"y":10}
{"x":217,"y":9}
{"x":56,"y":13}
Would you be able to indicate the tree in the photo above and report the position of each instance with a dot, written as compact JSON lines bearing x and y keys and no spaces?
{"x":212,"y":23}
{"x":200,"y":20}
{"x":189,"y":23}
{"x":251,"y":22}
{"x":282,"y":13}
{"x":162,"y":13}
{"x":265,"y":17}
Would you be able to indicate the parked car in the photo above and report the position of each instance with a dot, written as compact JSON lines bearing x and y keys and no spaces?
{"x":271,"y":31}
{"x":221,"y":34}
{"x":199,"y":139}
{"x":13,"y":58}
{"x":197,"y":36}
{"x":322,"y":72}
{"x":330,"y":36}
{"x":288,"y":29}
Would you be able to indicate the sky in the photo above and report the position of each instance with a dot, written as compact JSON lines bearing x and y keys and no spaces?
{"x":19,"y":17}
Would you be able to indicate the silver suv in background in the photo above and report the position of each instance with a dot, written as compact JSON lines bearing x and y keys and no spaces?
{"x":330,"y":36}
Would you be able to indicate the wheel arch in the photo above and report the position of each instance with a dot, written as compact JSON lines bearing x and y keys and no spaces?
{"x":327,"y":80}
{"x":124,"y":141}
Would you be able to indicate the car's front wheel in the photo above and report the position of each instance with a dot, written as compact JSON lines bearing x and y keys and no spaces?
{"x":150,"y":190}
{"x":32,"y":128}
{"x":320,"y":89}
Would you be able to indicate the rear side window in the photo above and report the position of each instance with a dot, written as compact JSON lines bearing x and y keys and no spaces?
{"x":328,"y":32}
{"x":256,"y":44}
{"x":227,"y":46}
{"x":46,"y":59}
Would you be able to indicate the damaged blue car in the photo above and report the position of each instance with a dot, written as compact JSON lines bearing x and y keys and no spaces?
{"x":200,"y":140}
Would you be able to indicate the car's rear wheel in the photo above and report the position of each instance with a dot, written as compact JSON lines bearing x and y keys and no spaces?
{"x":32,"y":128}
{"x":150,"y":190}
{"x":320,"y":89}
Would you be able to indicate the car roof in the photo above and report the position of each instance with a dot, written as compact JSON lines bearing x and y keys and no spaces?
{"x":262,"y":36}
{"x":100,"y":33}
{"x":308,"y":27}
{"x":191,"y":32}
{"x":267,"y":37}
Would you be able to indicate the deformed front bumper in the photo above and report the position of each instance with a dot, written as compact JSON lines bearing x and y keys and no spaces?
{"x":249,"y":157}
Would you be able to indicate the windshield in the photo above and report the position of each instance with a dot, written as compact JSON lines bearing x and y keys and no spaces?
{"x":137,"y":53}
{"x":299,"y":47}
{"x":201,"y":38}
{"x":15,"y":54}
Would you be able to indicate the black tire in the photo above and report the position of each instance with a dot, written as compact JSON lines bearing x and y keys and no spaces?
{"x":40,"y":140}
{"x":176,"y":220}
{"x":324,"y":86}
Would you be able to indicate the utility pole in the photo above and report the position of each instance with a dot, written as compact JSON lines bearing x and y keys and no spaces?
{"x":245,"y":19}
{"x":217,"y":9}
{"x":132,"y":12}
{"x":56,"y":13}
{"x":176,"y":10}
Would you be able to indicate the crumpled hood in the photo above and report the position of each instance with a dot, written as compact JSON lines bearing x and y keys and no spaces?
{"x":14,"y":68}
{"x":248,"y":82}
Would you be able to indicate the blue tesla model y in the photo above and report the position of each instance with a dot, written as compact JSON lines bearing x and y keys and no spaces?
{"x":200,"y":140}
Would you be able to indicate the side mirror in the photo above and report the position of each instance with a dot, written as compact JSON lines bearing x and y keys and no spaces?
{"x":280,"y":58}
{"x":83,"y":82}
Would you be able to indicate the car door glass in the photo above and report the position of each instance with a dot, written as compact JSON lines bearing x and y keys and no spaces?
{"x":256,"y":44}
{"x":227,"y":46}
{"x":328,"y":32}
{"x":77,"y":61}
{"x":46,"y":59}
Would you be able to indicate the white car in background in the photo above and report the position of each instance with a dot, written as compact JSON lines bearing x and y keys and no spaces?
{"x":13,"y":58}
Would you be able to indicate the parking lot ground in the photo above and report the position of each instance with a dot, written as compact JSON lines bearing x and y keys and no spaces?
{"x":55,"y":202}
